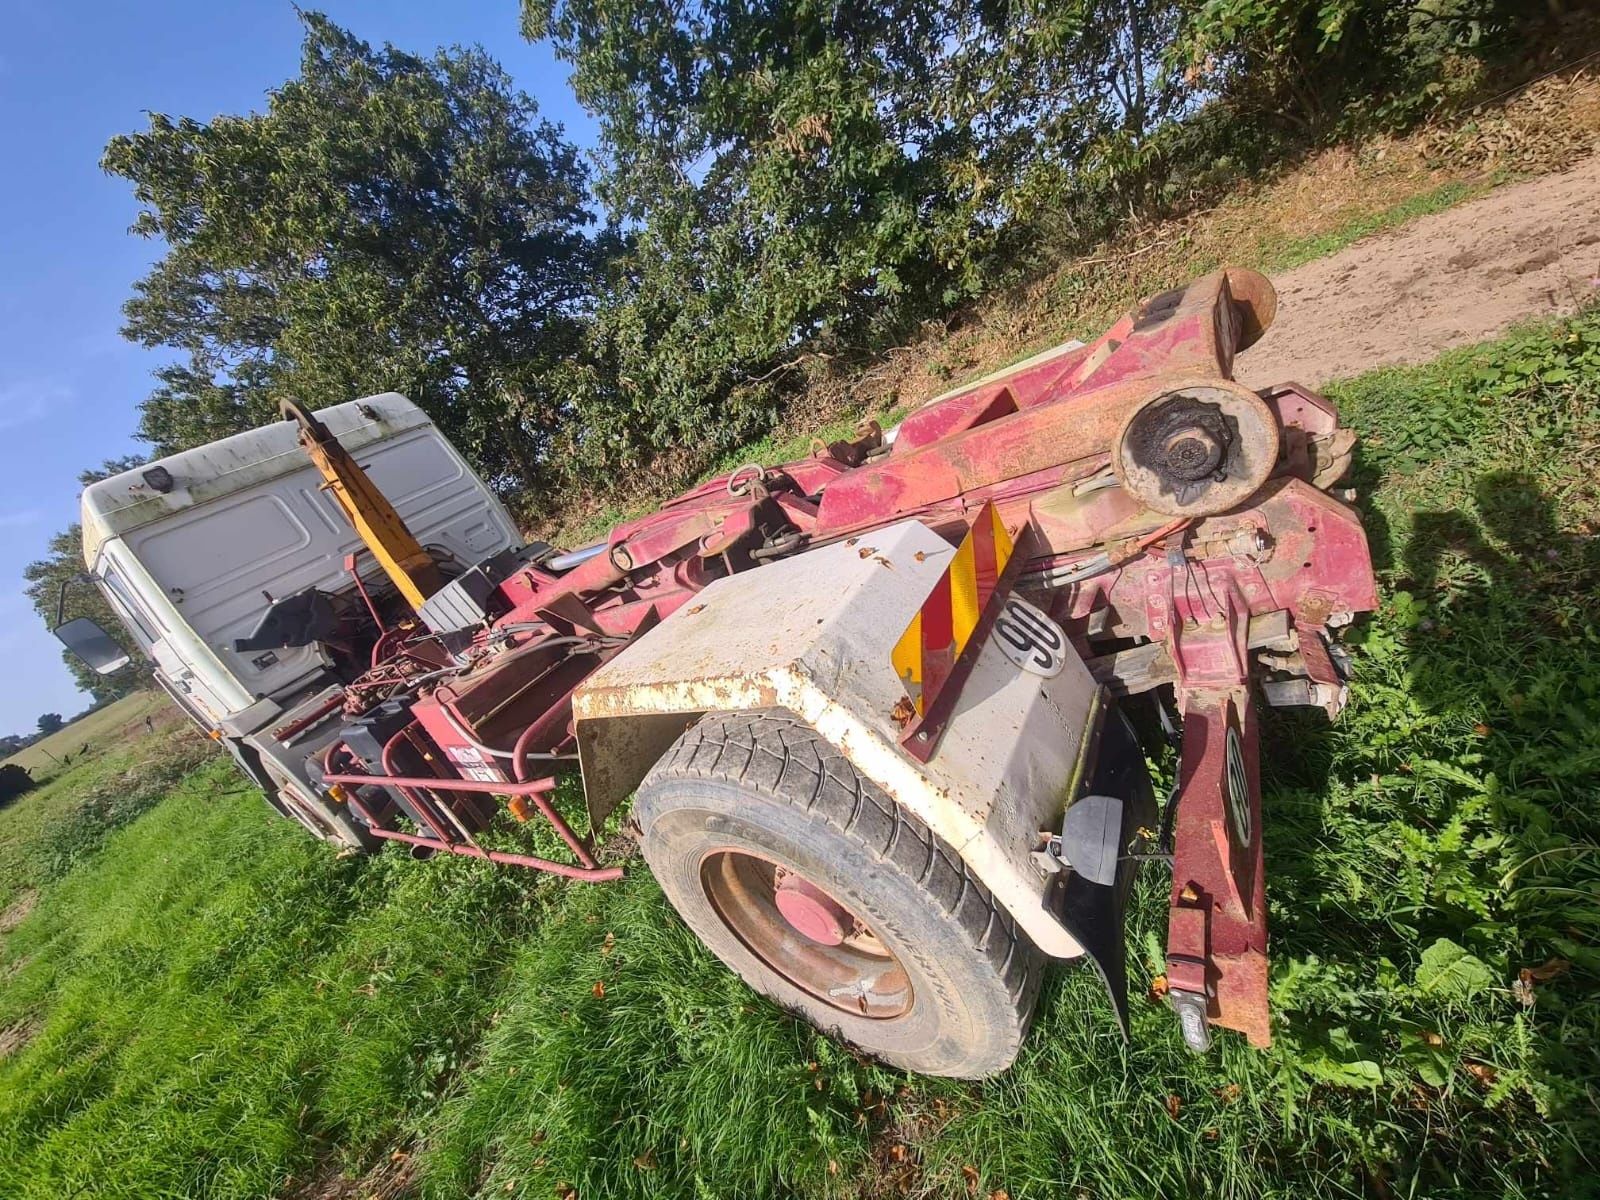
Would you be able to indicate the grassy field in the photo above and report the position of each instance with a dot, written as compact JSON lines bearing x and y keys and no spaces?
{"x":113,"y":723}
{"x":202,"y":1002}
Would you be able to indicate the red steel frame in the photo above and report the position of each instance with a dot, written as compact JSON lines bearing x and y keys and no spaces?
{"x":1031,"y":443}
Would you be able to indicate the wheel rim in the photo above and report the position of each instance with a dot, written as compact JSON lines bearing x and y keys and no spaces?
{"x":858,"y":974}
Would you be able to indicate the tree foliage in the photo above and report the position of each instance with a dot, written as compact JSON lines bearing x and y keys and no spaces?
{"x":802,"y":178}
{"x":389,"y":222}
{"x":58,"y":579}
{"x":1317,"y":63}
{"x":50,"y":722}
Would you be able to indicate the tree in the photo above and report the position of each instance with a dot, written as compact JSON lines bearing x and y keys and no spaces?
{"x":58,"y":579}
{"x":63,"y":566}
{"x":803,"y":180}
{"x":1316,"y":63}
{"x":389,"y":222}
{"x":50,"y":722}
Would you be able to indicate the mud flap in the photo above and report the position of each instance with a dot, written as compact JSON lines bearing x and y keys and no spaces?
{"x":1102,"y":832}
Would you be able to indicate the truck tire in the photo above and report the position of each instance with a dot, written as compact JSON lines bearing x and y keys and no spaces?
{"x":751,"y":810}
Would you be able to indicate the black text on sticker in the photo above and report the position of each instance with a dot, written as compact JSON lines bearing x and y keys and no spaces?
{"x":1030,"y":639}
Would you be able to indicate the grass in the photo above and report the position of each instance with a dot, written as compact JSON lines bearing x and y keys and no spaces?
{"x":219,"y":1003}
{"x":102,"y":772}
{"x":212,"y":1005}
{"x":44,"y":758}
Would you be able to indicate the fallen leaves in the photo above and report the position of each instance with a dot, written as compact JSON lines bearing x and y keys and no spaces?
{"x":610,"y":943}
{"x":1551,"y":968}
{"x":1174,"y":1105}
{"x":1158,"y":989}
{"x":599,"y":989}
{"x":872,"y":1110}
{"x":903,"y":711}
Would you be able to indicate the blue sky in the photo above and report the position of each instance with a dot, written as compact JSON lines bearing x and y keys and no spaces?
{"x":71,"y":76}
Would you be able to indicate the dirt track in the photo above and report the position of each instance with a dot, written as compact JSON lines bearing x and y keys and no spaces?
{"x":1450,"y":279}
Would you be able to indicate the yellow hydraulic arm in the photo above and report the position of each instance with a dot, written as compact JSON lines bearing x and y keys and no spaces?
{"x":399,"y":554}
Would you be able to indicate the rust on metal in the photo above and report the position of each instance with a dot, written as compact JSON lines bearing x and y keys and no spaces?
{"x":1176,"y":525}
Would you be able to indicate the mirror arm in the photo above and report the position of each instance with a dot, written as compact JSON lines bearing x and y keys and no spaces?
{"x":61,"y":596}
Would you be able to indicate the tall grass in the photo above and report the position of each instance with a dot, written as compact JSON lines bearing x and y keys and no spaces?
{"x":218,"y":1007}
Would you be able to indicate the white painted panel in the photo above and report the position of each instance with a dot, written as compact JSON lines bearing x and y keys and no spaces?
{"x":213,"y":560}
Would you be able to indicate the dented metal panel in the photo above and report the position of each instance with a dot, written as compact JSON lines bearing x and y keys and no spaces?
{"x":811,"y":635}
{"x":246,"y":518}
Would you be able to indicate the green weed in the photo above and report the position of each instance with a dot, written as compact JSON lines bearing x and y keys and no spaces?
{"x":220,"y":1006}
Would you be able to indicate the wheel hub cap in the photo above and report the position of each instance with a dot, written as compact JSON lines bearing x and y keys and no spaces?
{"x":800,"y":932}
{"x":812,"y":912}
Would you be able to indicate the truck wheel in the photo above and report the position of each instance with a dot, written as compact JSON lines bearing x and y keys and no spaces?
{"x":812,"y":885}
{"x":320,"y":819}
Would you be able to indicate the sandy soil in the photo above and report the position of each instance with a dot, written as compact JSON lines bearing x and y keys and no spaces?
{"x":1457,"y":277}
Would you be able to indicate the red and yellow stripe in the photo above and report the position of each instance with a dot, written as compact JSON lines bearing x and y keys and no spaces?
{"x":927,"y":651}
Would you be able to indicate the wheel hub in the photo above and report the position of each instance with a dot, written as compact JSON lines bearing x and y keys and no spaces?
{"x":803,"y":934}
{"x":1185,"y":442}
{"x":811,"y":911}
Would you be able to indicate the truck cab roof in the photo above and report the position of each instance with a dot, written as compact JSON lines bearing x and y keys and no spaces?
{"x":122,"y":503}
{"x":192,"y":549}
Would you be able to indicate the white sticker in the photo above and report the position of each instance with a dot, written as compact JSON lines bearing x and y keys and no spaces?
{"x":473,"y":765}
{"x":1030,"y":639}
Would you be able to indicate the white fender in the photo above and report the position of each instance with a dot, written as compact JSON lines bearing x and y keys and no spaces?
{"x":812,"y":634}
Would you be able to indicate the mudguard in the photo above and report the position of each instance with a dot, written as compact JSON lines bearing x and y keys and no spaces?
{"x":813,"y":634}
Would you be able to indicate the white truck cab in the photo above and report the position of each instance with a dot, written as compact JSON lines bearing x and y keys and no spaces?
{"x":192,"y":549}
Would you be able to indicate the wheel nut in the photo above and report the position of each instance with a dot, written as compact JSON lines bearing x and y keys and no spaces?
{"x":1192,"y":454}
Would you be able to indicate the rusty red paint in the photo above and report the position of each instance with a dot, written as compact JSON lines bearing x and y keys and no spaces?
{"x":811,"y":911}
{"x":1039,"y":443}
{"x":1217,"y":926}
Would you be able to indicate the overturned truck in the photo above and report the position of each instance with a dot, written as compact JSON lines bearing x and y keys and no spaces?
{"x":883,"y":712}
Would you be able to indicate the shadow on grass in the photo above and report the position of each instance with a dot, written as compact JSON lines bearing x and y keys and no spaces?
{"x":1450,"y":818}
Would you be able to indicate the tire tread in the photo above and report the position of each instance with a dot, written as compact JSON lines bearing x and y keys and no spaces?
{"x":812,"y":777}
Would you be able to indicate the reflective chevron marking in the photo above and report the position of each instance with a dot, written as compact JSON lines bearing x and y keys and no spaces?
{"x":927,"y":651}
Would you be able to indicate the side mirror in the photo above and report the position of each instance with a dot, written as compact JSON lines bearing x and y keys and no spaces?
{"x":92,"y":644}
